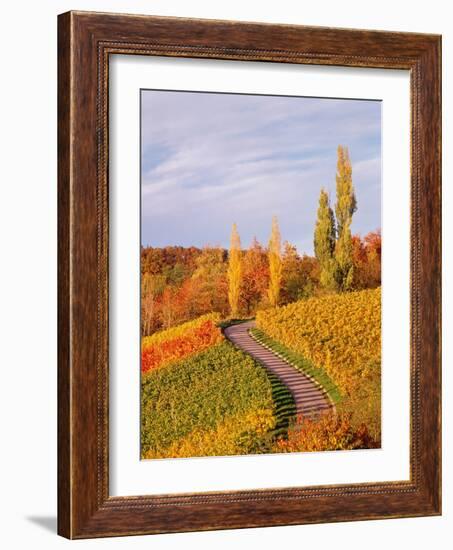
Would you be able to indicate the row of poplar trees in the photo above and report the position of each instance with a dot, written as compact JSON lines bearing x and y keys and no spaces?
{"x":332,"y":242}
{"x":234,"y":273}
{"x":333,"y":238}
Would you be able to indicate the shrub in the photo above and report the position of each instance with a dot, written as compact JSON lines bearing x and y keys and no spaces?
{"x":327,"y":432}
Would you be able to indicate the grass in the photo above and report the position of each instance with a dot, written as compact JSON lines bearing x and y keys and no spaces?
{"x":301,"y":363}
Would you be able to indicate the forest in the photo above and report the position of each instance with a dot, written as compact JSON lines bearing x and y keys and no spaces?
{"x":202,"y":395}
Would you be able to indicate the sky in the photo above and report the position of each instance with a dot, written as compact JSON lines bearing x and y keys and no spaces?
{"x":210,"y":160}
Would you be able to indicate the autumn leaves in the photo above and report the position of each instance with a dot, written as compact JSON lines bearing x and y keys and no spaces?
{"x":275,"y":264}
{"x":333,"y":243}
{"x":341,"y":334}
{"x":201,"y":396}
{"x":235,"y":270}
{"x":234,"y":273}
{"x":180,"y":284}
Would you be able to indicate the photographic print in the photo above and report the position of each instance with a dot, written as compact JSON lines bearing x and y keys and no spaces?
{"x":260,"y":274}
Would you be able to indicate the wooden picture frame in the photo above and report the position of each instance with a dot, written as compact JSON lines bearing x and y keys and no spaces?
{"x":85,"y":42}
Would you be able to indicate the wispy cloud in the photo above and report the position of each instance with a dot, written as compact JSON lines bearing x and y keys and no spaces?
{"x":209,"y":160}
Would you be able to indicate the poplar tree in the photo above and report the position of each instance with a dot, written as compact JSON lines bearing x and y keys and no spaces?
{"x":234,"y":273}
{"x":324,"y":242}
{"x":343,"y":258}
{"x":345,"y":207}
{"x":346,"y":203}
{"x":275,"y":264}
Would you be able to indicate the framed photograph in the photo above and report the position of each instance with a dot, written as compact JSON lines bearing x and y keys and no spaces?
{"x":249,"y":275}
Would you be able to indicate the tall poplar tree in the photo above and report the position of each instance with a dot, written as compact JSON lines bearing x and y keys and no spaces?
{"x":275,"y":264}
{"x":346,"y":203}
{"x":234,"y":273}
{"x":345,"y":207}
{"x":324,"y":242}
{"x":344,"y":258}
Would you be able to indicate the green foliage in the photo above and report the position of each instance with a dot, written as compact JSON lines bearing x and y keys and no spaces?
{"x":324,"y":242}
{"x":201,"y":392}
{"x":307,"y":291}
{"x":336,"y":255}
{"x":343,"y":255}
{"x":346,"y":203}
{"x":345,"y":207}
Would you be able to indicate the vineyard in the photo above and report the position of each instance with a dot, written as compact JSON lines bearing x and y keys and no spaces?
{"x":201,"y":396}
{"x":162,"y":348}
{"x":263,"y":348}
{"x":218,"y":401}
{"x":340,"y":334}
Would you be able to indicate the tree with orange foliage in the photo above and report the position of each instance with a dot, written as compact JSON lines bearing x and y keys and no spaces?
{"x":366,"y":255}
{"x":293,"y":278}
{"x":255,"y":280}
{"x":234,"y":273}
{"x":149,"y":305}
{"x":207,"y":279}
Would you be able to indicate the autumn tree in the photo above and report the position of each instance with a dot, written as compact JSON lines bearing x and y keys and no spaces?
{"x":234,"y":273}
{"x":167,"y":308}
{"x":293,"y":276}
{"x":366,"y":257}
{"x":345,"y":207}
{"x":275,"y":264}
{"x":148,"y":304}
{"x":346,"y":203}
{"x":324,"y":242}
{"x":210,"y":281}
{"x":255,"y":280}
{"x":343,"y":258}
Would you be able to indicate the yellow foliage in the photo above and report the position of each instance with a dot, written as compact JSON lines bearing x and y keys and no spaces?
{"x":339,"y":332}
{"x":235,"y":435}
{"x":275,"y":264}
{"x":234,"y":271}
{"x":329,"y":432}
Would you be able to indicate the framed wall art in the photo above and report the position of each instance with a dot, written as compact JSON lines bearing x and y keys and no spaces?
{"x":249,"y":275}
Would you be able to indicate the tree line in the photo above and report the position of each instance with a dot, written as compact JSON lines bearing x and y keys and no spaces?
{"x":179,"y":284}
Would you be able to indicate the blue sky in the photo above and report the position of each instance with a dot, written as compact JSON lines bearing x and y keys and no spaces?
{"x":209,"y":160}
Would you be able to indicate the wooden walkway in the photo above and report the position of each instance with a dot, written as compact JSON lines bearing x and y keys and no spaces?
{"x":308,"y":396}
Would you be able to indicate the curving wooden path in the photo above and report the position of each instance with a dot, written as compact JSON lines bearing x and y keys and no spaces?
{"x":308,"y":396}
